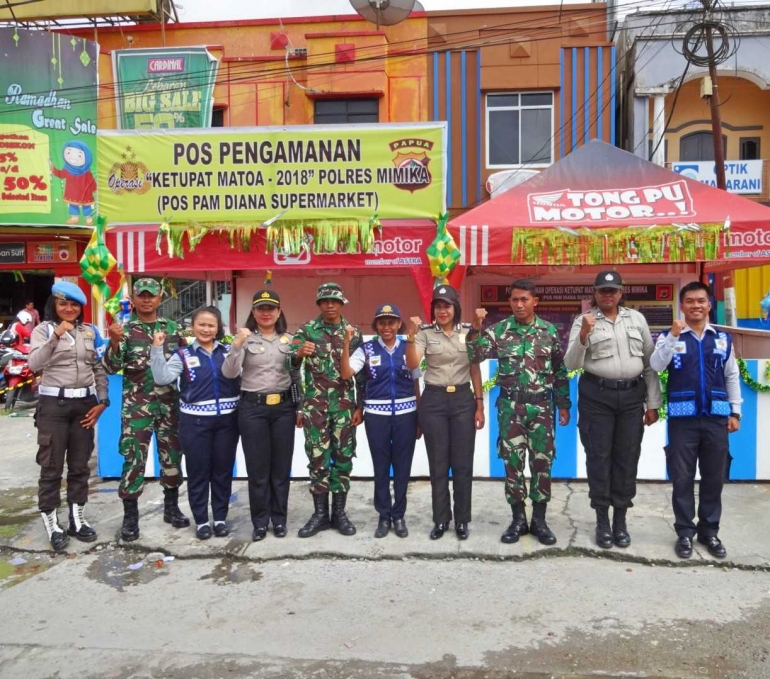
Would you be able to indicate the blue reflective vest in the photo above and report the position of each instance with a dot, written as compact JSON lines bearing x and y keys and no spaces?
{"x":389,"y":383}
{"x":696,"y":375}
{"x":203,"y":390}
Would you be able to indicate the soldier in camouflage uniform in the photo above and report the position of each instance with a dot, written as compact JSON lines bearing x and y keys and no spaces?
{"x":330,"y":412}
{"x":147,"y":408}
{"x":532,"y":379}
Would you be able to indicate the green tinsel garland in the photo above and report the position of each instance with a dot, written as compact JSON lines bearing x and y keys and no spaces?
{"x":748,"y":380}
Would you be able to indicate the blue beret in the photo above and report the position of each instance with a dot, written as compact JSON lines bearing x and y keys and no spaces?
{"x":67,"y":290}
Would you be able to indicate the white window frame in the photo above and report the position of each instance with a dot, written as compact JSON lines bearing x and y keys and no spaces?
{"x":519,"y":108}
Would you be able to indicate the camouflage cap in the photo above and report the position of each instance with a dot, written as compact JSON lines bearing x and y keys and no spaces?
{"x":330,"y":291}
{"x":147,"y":285}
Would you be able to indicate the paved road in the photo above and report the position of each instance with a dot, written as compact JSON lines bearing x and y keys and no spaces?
{"x":337,"y":607}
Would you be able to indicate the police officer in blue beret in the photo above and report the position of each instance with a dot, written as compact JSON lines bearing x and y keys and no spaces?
{"x":73,"y":395}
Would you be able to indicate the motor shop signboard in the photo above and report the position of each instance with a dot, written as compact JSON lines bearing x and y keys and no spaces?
{"x":644,"y":204}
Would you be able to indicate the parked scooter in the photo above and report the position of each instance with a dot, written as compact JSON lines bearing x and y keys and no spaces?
{"x":5,"y":357}
{"x":21,"y":382}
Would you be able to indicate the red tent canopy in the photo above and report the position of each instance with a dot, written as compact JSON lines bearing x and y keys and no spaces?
{"x":601,"y":204}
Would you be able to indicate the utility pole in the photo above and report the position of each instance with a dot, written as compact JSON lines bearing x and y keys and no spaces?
{"x":713,"y":101}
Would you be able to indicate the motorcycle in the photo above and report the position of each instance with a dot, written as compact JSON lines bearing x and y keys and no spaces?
{"x":5,"y":357}
{"x":21,"y":382}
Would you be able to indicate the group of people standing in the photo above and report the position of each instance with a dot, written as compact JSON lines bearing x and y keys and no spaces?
{"x":199,"y":397}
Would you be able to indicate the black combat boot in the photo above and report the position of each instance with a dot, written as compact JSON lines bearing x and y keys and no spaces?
{"x":56,"y":535}
{"x":129,"y":531}
{"x":619,"y":531}
{"x":340,"y":519}
{"x":538,"y":527}
{"x":603,"y":530}
{"x":518,"y":525}
{"x":320,"y":519}
{"x":171,"y":512}
{"x":79,"y":527}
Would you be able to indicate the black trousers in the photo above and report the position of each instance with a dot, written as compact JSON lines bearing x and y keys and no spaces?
{"x":391,"y":441}
{"x":268,"y":445}
{"x":701,"y":441}
{"x":611,"y":426}
{"x":60,"y":437}
{"x":209,"y":445}
{"x":447,"y":421}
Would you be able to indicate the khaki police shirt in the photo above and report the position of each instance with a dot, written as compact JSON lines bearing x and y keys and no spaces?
{"x":69,"y":362}
{"x":262,"y":364}
{"x":445,"y":355}
{"x":616,"y":350}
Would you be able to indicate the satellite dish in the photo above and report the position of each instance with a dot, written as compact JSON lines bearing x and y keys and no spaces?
{"x":500,"y":182}
{"x":384,"y":12}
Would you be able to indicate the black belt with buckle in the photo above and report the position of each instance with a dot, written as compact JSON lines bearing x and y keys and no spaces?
{"x":448,"y":388}
{"x":617,"y":385}
{"x":526,"y":396}
{"x":266,"y":399}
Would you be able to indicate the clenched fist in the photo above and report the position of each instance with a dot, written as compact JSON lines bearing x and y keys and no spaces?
{"x":587,"y":325}
{"x":116,"y":334}
{"x":677,"y":326}
{"x":350,"y":333}
{"x":241,"y":337}
{"x":64,"y":327}
{"x":415,"y":322}
{"x":158,"y":338}
{"x":478,"y":320}
{"x":307,"y":349}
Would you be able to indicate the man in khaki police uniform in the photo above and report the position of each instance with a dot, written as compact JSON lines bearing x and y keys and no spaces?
{"x":613,"y":345}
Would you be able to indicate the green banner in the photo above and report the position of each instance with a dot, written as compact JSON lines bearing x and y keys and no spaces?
{"x":48,"y":85}
{"x":164,"y":88}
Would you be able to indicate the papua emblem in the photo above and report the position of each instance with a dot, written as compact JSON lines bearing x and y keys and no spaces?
{"x":411,"y":172}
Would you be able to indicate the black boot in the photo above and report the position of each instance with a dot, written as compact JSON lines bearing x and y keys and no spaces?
{"x":320,"y":519}
{"x":619,"y":531}
{"x":171,"y":512}
{"x":539,"y":528}
{"x":129,"y":531}
{"x":518,"y":525}
{"x":79,"y":527}
{"x":340,"y":519}
{"x":603,"y":531}
{"x":56,"y":535}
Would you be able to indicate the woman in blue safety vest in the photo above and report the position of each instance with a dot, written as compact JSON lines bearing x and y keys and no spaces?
{"x":390,"y":413}
{"x":208,"y":423}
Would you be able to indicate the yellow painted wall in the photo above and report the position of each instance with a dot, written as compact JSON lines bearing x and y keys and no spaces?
{"x":57,"y":9}
{"x":751,"y":285}
{"x":744,"y":105}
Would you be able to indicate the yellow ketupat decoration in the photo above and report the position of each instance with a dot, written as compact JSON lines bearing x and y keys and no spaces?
{"x":443,"y":253}
{"x":97,"y":262}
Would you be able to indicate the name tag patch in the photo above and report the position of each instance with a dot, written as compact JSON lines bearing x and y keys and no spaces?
{"x":461,"y":338}
{"x":193,"y":362}
{"x":680,"y":348}
{"x":720,"y":346}
{"x":375,"y":361}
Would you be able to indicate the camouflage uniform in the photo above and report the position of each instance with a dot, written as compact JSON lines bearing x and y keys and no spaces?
{"x":146,"y":406}
{"x":531,"y":377}
{"x":330,"y":437}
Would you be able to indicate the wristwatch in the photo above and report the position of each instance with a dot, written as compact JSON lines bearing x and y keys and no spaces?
{"x":105,"y":402}
{"x":737,"y":416}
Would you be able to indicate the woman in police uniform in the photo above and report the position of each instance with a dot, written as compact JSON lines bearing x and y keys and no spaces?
{"x":73,"y":394}
{"x":267,"y":413}
{"x":450,"y":411}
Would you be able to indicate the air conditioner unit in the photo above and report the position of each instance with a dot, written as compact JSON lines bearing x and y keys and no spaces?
{"x":298,"y":52}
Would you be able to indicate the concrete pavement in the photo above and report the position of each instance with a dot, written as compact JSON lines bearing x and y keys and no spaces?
{"x":745,"y":527}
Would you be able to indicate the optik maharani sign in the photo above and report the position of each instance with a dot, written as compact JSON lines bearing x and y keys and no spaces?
{"x":47,"y":128}
{"x":164,"y":88}
{"x":256,"y":174}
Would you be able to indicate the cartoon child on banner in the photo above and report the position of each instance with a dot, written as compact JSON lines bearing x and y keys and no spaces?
{"x":79,"y":183}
